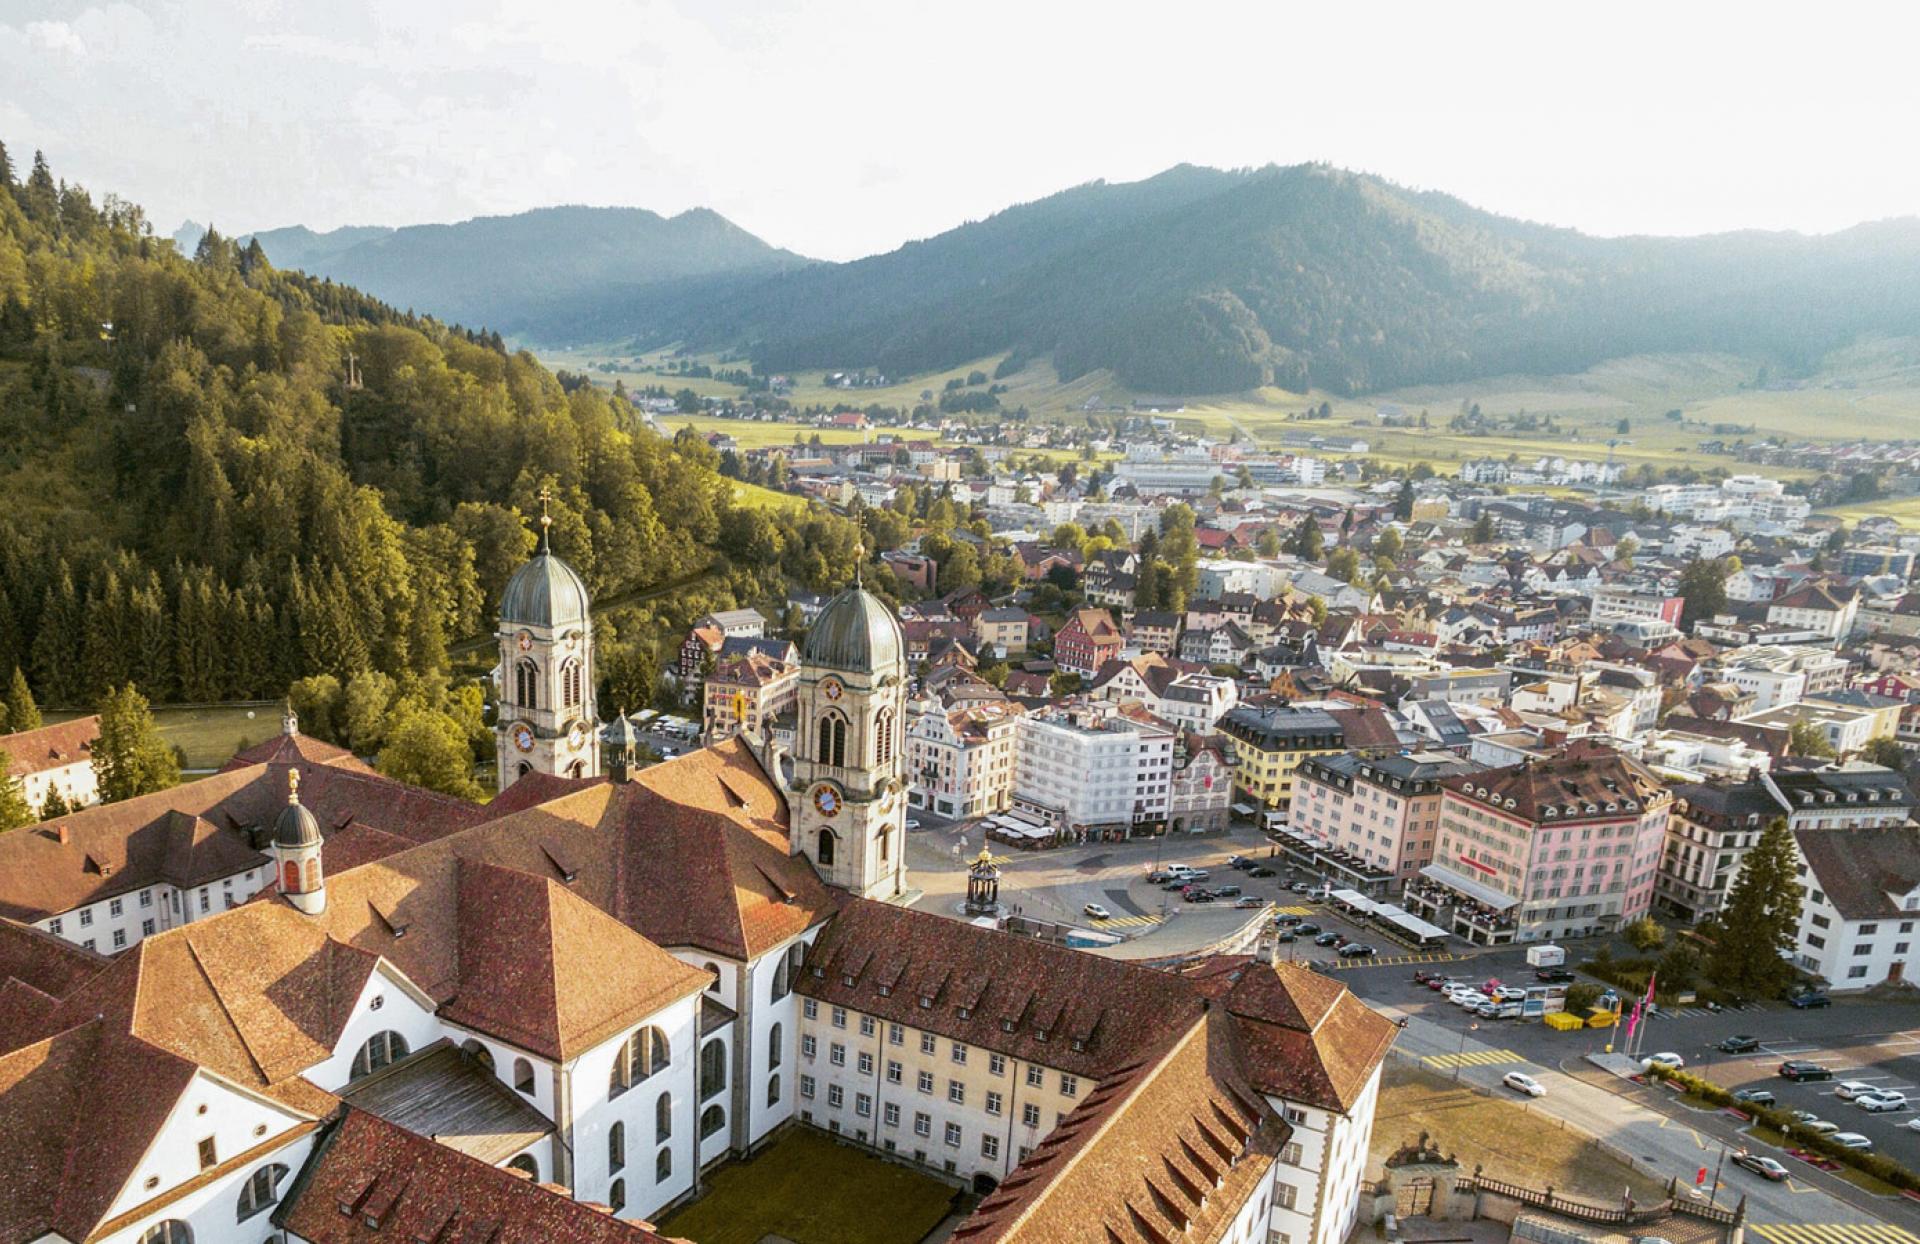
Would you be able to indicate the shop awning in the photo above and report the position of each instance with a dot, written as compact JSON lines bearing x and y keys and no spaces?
{"x":1460,"y":883}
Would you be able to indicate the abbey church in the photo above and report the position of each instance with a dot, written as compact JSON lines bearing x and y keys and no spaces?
{"x":299,"y":1001}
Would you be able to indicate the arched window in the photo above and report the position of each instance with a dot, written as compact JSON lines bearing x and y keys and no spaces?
{"x":528,"y":1163}
{"x":381,"y":1048}
{"x":570,"y":682}
{"x":781,"y":986}
{"x":478,"y":1052}
{"x":773,"y":1092}
{"x":290,"y":876}
{"x":262,"y":1190}
{"x":833,"y":739}
{"x":773,"y":1046}
{"x":172,"y":1231}
{"x":524,"y":769}
{"x":523,"y":1076}
{"x":663,"y":1165}
{"x":825,"y":851}
{"x":713,"y":1069}
{"x":577,"y":769}
{"x":663,"y":1117}
{"x":616,"y":1148}
{"x":313,"y":873}
{"x":883,"y":736}
{"x":526,"y":684}
{"x":617,"y":1196}
{"x":715,"y":986}
{"x":712,"y":1119}
{"x":644,"y":1054}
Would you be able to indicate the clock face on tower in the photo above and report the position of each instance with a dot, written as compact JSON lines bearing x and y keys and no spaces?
{"x":827,"y":800}
{"x":577,"y":735}
{"x":831,"y":689}
{"x":525,"y":641}
{"x":522,"y":735}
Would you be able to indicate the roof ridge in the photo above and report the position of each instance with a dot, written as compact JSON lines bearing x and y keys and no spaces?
{"x":193,"y":952}
{"x":1151,"y":1073}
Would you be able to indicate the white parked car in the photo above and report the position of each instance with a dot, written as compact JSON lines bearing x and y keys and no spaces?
{"x":1509,"y":993}
{"x":1097,"y":912}
{"x":1851,"y":1140}
{"x":1468,"y":998}
{"x":1847,"y":1090}
{"x":1666,"y":1058}
{"x":1913,"y":1124}
{"x":1521,"y":1082}
{"x":1819,"y":1127}
{"x":1882,"y":1099}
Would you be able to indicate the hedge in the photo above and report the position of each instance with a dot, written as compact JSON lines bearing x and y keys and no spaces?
{"x":1878,"y":1165}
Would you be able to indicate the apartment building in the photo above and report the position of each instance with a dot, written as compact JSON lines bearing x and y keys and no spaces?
{"x":1381,"y":813}
{"x":1861,"y":905}
{"x":1088,"y":640}
{"x":746,"y":693}
{"x":1565,"y":846}
{"x":1090,"y":769}
{"x":1270,"y":743}
{"x":56,"y":759}
{"x":961,"y":760}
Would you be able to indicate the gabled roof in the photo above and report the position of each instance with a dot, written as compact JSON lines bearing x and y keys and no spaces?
{"x":1079,"y":1013}
{"x":1168,"y":1149}
{"x":52,"y":747}
{"x":1866,"y":873}
{"x":547,"y":971}
{"x":406,"y":1188}
{"x":296,"y":748}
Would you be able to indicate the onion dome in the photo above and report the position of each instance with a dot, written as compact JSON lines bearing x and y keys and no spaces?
{"x":856,"y":634}
{"x":296,"y":827}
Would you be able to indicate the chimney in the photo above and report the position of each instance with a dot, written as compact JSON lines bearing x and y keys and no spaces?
{"x":64,"y":835}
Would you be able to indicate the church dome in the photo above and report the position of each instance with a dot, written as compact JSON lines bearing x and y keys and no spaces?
{"x":295,"y":826}
{"x":856,"y":634}
{"x":544,"y":592}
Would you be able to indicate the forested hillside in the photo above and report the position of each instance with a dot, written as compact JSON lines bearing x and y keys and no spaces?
{"x":203,"y":502}
{"x":1206,"y":281}
{"x":531,"y":273}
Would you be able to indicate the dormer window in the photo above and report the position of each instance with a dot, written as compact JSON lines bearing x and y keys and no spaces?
{"x":1079,"y":1044}
{"x":847,"y":979}
{"x":1006,"y":1025}
{"x":926,"y":1002}
{"x":886,"y":991}
{"x":819,"y":972}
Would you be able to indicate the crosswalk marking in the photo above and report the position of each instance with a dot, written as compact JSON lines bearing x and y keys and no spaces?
{"x":1476,"y":1058}
{"x":1121,"y":922}
{"x":1293,"y":911}
{"x":1388,"y":961}
{"x":1834,"y":1233}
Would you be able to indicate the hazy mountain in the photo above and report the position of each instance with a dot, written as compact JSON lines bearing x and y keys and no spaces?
{"x":1203,"y":281}
{"x":523,"y":273}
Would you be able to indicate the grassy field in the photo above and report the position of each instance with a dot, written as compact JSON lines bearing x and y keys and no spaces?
{"x":809,"y":1189}
{"x":209,"y":735}
{"x":1867,"y":390}
{"x":754,"y":497}
{"x":1509,"y":1140}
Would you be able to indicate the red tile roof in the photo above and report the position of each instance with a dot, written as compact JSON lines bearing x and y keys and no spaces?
{"x":296,"y":748}
{"x":372,"y":1180}
{"x":52,"y":747}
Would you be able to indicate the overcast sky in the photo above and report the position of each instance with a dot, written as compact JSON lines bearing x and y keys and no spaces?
{"x":842,"y":127}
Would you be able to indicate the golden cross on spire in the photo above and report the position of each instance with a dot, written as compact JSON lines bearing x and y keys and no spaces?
{"x":546,"y":520}
{"x":293,"y":785}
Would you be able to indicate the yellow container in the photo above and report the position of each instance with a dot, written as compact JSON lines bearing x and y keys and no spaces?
{"x":1563,"y":1021}
{"x":1602,"y":1019}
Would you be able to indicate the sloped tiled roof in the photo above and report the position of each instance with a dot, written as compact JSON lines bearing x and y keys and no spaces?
{"x":404,"y":1188}
{"x":52,"y":747}
{"x":1864,"y":872}
{"x":1167,"y":1149}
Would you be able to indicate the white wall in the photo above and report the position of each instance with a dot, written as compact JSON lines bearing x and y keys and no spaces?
{"x":383,"y":1006}
{"x":594,"y":1113}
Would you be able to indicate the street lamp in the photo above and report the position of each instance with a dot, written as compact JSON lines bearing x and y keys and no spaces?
{"x":1461,"y":1053}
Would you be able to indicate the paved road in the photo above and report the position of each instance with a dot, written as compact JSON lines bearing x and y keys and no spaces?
{"x":1663,"y":1145}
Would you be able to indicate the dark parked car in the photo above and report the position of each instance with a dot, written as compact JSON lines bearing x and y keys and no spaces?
{"x":1158,"y":876}
{"x":1554,"y":976}
{"x":1285,"y":935}
{"x":1799,"y":1070}
{"x":1803,"y":1001}
{"x":1195,"y":894}
{"x":1326,"y":939}
{"x":1357,"y":950}
{"x":1239,"y":861}
{"x":1740,"y":1045}
{"x":1754,"y":1097}
{"x":1227,"y":891}
{"x":1306,"y":928}
{"x":1288,"y":918}
{"x":1262,"y":871}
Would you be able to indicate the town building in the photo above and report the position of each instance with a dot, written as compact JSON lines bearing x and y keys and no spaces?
{"x":746,"y":693}
{"x":961,"y":760}
{"x":1377,"y":817}
{"x":1816,"y":608}
{"x":1089,"y":770}
{"x":1269,"y":744}
{"x":1861,"y":904}
{"x":1202,"y":797}
{"x":1087,"y":641}
{"x":1001,"y":631}
{"x":1566,"y":846}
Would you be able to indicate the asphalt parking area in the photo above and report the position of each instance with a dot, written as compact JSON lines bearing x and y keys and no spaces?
{"x":1884,"y":1060}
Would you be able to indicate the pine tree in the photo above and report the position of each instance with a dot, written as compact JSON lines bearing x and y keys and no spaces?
{"x":22,"y":713}
{"x":39,"y":197}
{"x":130,"y":758}
{"x":1761,"y":917}
{"x":1483,"y":529}
{"x":15,"y":811}
{"x":56,"y":647}
{"x":105,"y":644}
{"x":55,"y":804}
{"x":1308,"y":542}
{"x":6,"y":169}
